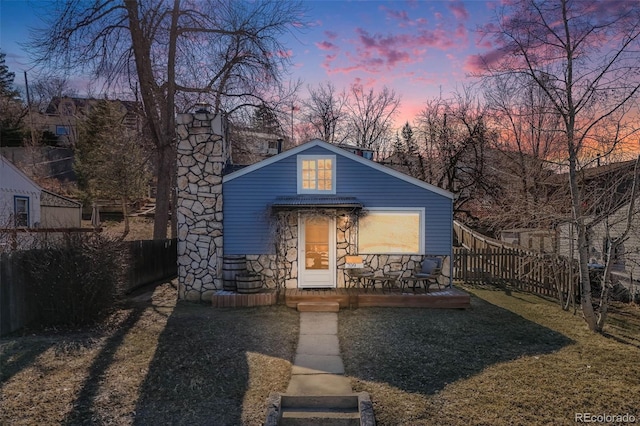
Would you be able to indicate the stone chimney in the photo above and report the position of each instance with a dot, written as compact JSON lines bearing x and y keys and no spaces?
{"x":202,"y":155}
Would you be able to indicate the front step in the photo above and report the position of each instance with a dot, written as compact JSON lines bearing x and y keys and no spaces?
{"x":318,"y":410}
{"x":318,"y":306}
{"x":319,"y":417}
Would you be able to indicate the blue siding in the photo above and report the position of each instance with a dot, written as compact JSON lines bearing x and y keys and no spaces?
{"x":247,"y":199}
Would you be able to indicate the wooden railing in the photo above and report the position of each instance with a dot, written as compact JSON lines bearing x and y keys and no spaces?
{"x":482,"y":259}
{"x":468,"y":238}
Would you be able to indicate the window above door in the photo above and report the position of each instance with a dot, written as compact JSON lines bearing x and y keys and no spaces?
{"x":316,"y":174}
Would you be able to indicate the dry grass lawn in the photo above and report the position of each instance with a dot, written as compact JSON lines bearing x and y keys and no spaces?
{"x":509,"y":360}
{"x":156,"y":362}
{"x":140,"y":228}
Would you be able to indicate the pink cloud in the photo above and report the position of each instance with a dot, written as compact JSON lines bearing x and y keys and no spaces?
{"x":403,"y":18}
{"x":479,"y":63}
{"x":331,"y":35}
{"x":326,"y":45}
{"x":400,"y":15}
{"x":374,"y":52}
{"x":342,"y":70}
{"x":459,"y":10}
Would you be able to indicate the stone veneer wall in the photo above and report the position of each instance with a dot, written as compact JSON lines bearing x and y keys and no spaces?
{"x":283,"y":269}
{"x":202,"y":156}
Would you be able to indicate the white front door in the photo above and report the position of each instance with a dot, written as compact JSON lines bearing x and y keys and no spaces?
{"x":316,"y":251}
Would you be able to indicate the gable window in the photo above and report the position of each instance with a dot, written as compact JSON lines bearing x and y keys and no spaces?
{"x":391,"y":231}
{"x":21,"y":212}
{"x":316,"y":174}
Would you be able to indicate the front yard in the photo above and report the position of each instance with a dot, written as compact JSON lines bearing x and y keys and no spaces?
{"x":156,"y":363}
{"x":510,"y":359}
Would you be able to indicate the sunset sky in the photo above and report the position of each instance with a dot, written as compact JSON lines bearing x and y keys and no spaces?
{"x":417,"y":48}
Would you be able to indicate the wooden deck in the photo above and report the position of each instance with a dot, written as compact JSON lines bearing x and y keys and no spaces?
{"x":449,"y":298}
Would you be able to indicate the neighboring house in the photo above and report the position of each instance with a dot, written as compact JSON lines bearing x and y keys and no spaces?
{"x":19,"y":198}
{"x":540,"y":240}
{"x":626,"y":259}
{"x":251,"y":146}
{"x":63,"y":114}
{"x":25,"y":205}
{"x":297,"y":215}
{"x":57,"y":211}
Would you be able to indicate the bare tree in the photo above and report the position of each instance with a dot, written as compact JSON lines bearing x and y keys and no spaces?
{"x":371,"y":115}
{"x":214,"y":51}
{"x":526,"y":126}
{"x":454,"y":143}
{"x":325,"y":111}
{"x":46,"y":88}
{"x":585,"y":57}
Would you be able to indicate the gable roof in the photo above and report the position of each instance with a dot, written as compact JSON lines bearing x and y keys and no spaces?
{"x":52,"y":199}
{"x":4,"y":183}
{"x":339,"y":151}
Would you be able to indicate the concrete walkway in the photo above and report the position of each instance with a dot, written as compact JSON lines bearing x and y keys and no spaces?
{"x":318,"y":367}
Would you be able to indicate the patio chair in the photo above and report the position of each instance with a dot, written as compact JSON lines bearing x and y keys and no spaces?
{"x":357,"y":277}
{"x":429,"y":272}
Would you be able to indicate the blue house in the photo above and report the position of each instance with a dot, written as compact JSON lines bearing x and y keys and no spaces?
{"x":298,"y":216}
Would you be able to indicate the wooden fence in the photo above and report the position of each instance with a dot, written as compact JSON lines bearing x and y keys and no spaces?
{"x":149,"y":261}
{"x":482,"y":259}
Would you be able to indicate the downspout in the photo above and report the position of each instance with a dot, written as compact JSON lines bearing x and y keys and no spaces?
{"x":451,"y":245}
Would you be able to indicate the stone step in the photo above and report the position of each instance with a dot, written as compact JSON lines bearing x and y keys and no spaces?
{"x":320,"y":401}
{"x":319,"y":417}
{"x":318,"y":306}
{"x":320,"y":409}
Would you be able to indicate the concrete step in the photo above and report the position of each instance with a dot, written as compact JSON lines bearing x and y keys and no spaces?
{"x":320,"y":401}
{"x":320,"y":417}
{"x":319,"y":410}
{"x":318,"y":306}
{"x":351,"y":409}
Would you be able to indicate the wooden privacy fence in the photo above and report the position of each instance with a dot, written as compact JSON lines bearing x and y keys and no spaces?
{"x":486,"y":260}
{"x":151,"y":261}
{"x":546,"y":275}
{"x":148,"y":261}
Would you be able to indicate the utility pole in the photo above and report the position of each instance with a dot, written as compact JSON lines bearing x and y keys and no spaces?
{"x":31,"y":125}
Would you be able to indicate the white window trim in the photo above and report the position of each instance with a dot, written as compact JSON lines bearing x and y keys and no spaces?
{"x":419,"y":210}
{"x":27,"y":200}
{"x":333,"y":174}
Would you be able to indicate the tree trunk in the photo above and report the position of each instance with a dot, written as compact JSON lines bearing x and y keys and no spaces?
{"x":152,"y":98}
{"x":169,"y":119}
{"x":586,"y":301}
{"x":165,"y":167}
{"x":125,"y":216}
{"x":606,"y":287}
